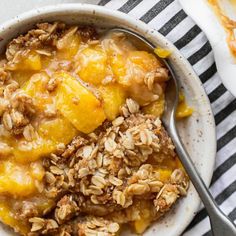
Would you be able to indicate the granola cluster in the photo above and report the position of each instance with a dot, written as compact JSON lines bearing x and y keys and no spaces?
{"x":45,"y":39}
{"x":100,"y":178}
{"x":16,"y":109}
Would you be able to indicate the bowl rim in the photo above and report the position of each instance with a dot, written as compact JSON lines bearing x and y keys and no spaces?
{"x":79,"y":8}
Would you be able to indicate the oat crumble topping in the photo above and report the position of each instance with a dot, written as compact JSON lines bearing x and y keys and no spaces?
{"x":103,"y":175}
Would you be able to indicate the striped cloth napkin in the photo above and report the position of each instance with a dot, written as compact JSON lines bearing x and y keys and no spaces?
{"x":169,"y":19}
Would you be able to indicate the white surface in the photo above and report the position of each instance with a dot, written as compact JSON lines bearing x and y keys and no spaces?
{"x":206,"y":19}
{"x":198,"y":131}
{"x":11,"y":8}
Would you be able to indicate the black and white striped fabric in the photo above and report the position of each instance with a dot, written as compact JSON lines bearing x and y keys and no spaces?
{"x":169,"y":19}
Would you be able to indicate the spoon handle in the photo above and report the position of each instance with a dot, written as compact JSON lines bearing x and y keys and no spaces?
{"x":220,"y":223}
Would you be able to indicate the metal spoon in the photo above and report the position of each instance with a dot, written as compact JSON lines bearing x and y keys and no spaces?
{"x":220,"y":223}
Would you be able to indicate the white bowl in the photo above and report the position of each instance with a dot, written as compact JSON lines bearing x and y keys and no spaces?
{"x":197,"y":132}
{"x":205,"y":17}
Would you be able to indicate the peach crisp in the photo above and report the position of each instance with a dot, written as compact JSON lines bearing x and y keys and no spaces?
{"x":82,"y":147}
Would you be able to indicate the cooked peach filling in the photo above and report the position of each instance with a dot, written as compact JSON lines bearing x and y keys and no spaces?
{"x":58,"y":83}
